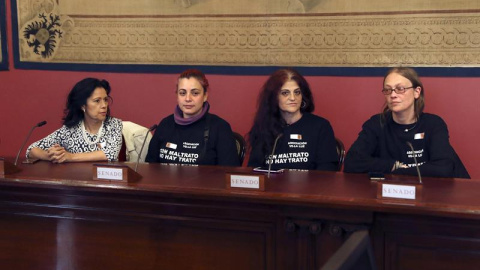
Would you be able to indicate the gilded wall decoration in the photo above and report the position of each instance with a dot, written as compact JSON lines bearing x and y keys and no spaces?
{"x":309,"y":33}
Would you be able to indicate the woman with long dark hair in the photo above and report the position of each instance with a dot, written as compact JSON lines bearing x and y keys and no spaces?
{"x":88,"y":132}
{"x":284,"y":121}
{"x":390,"y":141}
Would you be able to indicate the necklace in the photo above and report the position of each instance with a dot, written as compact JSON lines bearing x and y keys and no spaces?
{"x":92,"y":145}
{"x":408,"y":129}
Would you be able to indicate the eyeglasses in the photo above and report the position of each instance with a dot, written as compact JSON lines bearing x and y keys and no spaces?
{"x":398,"y":90}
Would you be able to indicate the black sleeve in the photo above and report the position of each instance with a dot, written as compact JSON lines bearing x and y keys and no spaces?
{"x":360,"y":158}
{"x":227,"y":154}
{"x":154,"y":146}
{"x":326,"y":156}
{"x":257,"y":157}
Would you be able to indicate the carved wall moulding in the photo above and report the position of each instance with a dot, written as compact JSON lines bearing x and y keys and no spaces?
{"x":50,"y":32}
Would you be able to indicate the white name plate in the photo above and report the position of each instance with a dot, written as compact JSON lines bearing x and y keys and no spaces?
{"x":242,"y":181}
{"x":399,"y":191}
{"x":109,"y":173}
{"x":114,"y":172}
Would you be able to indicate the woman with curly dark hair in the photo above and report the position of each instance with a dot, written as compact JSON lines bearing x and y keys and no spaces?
{"x":284,"y":121}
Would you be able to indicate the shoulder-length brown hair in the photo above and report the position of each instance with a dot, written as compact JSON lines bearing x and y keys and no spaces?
{"x":413,"y":77}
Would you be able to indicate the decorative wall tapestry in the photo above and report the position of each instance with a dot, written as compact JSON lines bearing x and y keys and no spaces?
{"x":246,"y":33}
{"x":3,"y":38}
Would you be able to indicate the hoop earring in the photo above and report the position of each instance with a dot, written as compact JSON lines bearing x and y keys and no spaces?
{"x":304,"y":104}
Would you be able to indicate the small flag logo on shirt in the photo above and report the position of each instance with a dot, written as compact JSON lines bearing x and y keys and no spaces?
{"x":171,"y":145}
{"x":419,"y":136}
{"x":295,"y":136}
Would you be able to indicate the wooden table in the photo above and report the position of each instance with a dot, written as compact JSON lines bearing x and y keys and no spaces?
{"x":52,"y":216}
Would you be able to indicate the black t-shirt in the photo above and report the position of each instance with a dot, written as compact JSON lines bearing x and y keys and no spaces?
{"x":307,"y":144}
{"x":185,"y":144}
{"x":379,"y":146}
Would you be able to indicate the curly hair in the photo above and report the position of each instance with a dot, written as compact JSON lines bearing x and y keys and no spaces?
{"x":268,"y":122}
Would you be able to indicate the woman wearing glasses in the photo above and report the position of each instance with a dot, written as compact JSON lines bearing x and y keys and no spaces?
{"x":389,"y":142}
{"x":285,"y":132}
